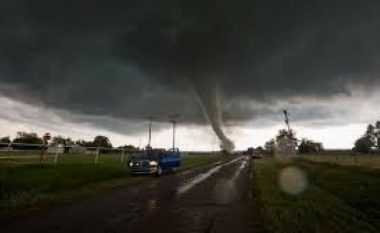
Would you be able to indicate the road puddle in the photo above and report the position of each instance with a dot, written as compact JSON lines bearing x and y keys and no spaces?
{"x":225,"y":190}
{"x":200,"y":178}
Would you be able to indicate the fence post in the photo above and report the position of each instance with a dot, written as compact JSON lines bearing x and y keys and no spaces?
{"x":9,"y":148}
{"x":42,"y":152}
{"x":356,"y":159}
{"x":97,"y":156}
{"x":122,"y":156}
{"x":56,"y":158}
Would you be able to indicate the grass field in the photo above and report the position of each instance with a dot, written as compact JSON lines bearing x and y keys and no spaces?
{"x":336,"y":199}
{"x":370,"y":161}
{"x":24,"y":158}
{"x":25,"y":183}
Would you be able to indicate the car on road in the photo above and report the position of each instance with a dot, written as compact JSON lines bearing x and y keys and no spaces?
{"x":254,"y":153}
{"x":155,"y":161}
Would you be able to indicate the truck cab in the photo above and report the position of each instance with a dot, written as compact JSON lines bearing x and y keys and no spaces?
{"x":155,"y":161}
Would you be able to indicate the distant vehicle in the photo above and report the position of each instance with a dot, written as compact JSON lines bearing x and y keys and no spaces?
{"x":254,"y":153}
{"x":155,"y":161}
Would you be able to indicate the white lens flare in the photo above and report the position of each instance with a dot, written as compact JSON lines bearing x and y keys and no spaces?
{"x":292,"y":180}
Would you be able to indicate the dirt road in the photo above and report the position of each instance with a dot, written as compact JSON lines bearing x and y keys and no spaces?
{"x":213,"y":199}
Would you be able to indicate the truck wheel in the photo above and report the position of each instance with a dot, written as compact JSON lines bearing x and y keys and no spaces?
{"x":159,"y":171}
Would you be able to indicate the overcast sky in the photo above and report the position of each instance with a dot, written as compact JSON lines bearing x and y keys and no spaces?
{"x":80,"y":68}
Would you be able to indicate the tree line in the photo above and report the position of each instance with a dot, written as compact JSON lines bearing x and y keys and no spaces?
{"x":304,"y":146}
{"x":369,"y":142}
{"x":33,"y":138}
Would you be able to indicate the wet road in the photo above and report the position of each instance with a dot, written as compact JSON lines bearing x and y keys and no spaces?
{"x":213,"y":199}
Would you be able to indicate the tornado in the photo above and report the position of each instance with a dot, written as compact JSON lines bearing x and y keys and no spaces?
{"x":212,"y":105}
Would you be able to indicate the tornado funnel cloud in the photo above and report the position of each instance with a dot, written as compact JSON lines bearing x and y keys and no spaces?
{"x":211,"y":102}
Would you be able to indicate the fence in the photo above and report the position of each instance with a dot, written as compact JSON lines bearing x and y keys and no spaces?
{"x":42,"y":153}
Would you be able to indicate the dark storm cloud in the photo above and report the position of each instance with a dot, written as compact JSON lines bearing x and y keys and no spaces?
{"x":133,"y":59}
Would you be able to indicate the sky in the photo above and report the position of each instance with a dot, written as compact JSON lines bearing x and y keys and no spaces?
{"x":225,"y":69}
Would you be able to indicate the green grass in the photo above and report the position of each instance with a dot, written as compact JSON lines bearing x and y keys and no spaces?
{"x":337,"y":199}
{"x":190,"y":161}
{"x":370,"y":161}
{"x":23,"y":158}
{"x":26,"y":185}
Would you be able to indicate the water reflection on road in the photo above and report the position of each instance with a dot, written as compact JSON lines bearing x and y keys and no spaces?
{"x":203,"y":201}
{"x":225,"y":190}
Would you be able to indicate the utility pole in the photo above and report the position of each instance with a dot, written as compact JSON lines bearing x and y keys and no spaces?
{"x":174,"y":122}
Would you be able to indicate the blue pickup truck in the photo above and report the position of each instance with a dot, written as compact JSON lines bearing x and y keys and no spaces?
{"x":155,"y":161}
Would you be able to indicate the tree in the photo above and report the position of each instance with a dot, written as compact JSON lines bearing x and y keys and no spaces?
{"x":27,"y":138}
{"x":377,"y":134}
{"x":370,"y":140}
{"x":370,"y":130}
{"x":59,"y":140}
{"x":102,"y":141}
{"x":130,"y":148}
{"x":85,"y":143}
{"x":5,"y":140}
{"x":363,"y":144}
{"x":309,"y":147}
{"x":371,"y":133}
{"x":283,"y":133}
{"x":269,"y":147}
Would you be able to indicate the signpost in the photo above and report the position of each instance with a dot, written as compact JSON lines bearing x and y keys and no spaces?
{"x":46,"y":138}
